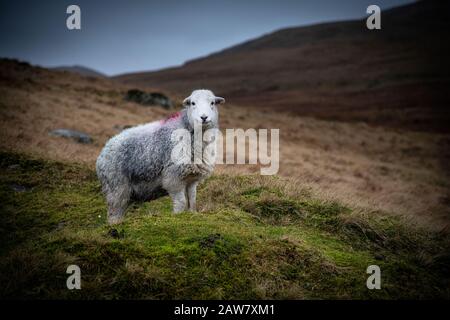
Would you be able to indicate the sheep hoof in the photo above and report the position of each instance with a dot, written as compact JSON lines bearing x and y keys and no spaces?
{"x":114,"y":220}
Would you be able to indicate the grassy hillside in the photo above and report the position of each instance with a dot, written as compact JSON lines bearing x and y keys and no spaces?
{"x":255,"y":237}
{"x":309,"y":233}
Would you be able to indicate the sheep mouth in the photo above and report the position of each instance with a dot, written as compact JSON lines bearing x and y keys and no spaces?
{"x":204,"y":124}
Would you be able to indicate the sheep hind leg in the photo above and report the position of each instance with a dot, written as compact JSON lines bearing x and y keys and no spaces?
{"x":191,"y":191}
{"x":117,"y":205}
{"x":179,"y":200}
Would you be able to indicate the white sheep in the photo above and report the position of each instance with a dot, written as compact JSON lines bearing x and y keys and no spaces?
{"x":137,"y":164}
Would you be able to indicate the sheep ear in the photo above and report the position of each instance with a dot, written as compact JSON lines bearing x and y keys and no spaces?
{"x":187,"y":101}
{"x":219,"y":100}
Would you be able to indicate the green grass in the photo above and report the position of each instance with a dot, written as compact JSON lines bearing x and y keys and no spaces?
{"x":256,"y":238}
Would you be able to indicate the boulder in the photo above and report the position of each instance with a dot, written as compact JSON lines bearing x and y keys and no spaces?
{"x":72,"y":134}
{"x":18,"y":188}
{"x":148,"y":98}
{"x":120,"y":128}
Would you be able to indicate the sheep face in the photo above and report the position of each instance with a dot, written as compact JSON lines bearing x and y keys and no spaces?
{"x":201,"y":108}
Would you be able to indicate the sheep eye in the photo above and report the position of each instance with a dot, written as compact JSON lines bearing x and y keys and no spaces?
{"x":193,"y":103}
{"x":212,"y":103}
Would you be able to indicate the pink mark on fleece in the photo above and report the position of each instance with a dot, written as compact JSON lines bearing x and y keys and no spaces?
{"x":171,"y":117}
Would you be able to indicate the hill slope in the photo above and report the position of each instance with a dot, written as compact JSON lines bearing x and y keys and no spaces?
{"x":257,"y":238}
{"x":394,"y":76}
{"x":81,"y":70}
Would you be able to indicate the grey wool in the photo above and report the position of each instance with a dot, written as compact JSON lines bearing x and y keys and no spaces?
{"x":138,"y":164}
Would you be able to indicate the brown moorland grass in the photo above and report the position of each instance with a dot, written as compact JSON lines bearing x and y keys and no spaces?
{"x":396,"y":171}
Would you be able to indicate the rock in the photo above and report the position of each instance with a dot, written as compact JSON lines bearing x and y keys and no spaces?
{"x":60,"y":225}
{"x":114,"y":233}
{"x":379,"y":256}
{"x":72,"y":134}
{"x":148,"y":99}
{"x":14,"y":166}
{"x":18,"y":188}
{"x":120,"y":128}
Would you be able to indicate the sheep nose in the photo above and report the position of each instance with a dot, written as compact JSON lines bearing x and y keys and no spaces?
{"x":204,"y":118}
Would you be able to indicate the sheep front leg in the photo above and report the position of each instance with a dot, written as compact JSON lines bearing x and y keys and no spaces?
{"x":118,"y":200}
{"x":178,"y":200}
{"x":115,"y":215}
{"x":191,"y":191}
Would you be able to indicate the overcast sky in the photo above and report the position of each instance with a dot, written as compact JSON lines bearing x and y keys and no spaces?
{"x":124,"y":36}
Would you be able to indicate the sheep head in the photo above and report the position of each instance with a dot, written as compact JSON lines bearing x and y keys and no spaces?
{"x":201,"y":108}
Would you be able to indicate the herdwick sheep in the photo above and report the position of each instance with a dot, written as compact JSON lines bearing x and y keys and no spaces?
{"x":138,"y":165}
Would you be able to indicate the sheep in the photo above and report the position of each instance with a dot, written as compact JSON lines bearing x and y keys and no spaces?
{"x":138,"y":163}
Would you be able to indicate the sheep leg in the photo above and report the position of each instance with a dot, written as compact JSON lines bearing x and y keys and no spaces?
{"x":117,"y":204}
{"x":115,"y":215}
{"x":191,"y":191}
{"x":178,"y":200}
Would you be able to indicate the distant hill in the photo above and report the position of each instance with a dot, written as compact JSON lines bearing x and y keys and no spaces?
{"x":81,"y":70}
{"x":395,"y":76}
